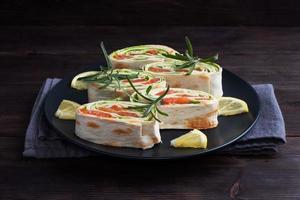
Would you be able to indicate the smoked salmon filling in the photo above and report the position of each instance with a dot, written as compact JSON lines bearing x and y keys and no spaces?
{"x":116,"y":123}
{"x":187,"y":109}
{"x":204,"y":77}
{"x":121,"y":88}
{"x":136,"y":57}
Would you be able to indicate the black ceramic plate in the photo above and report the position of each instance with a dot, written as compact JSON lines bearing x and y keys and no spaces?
{"x":229,"y":129}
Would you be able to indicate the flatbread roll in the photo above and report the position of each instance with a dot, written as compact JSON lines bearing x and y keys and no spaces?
{"x":112,"y":123}
{"x":205,"y":77}
{"x":136,"y":57}
{"x":121,"y":89}
{"x":186,"y":109}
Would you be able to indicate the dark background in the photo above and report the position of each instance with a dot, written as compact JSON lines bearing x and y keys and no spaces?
{"x":151,"y":12}
{"x":259,"y":40}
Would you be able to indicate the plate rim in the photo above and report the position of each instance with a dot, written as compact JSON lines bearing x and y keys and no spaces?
{"x":115,"y":155}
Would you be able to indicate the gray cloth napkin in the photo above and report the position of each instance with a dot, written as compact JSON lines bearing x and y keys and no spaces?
{"x":41,"y":141}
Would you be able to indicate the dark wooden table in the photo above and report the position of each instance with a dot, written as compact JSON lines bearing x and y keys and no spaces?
{"x":28,"y":55}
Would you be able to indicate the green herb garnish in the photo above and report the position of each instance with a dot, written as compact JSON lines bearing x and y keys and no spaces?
{"x":108,"y":75}
{"x":189,"y":59}
{"x":151,"y":107}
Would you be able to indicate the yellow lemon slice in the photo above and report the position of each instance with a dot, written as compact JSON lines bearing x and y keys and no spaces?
{"x":66,"y":110}
{"x":232,"y":106}
{"x":192,"y":139}
{"x":81,"y":85}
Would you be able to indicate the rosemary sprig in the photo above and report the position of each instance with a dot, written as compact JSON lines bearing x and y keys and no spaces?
{"x":109,"y":65}
{"x":107,"y":75}
{"x":189,"y":59}
{"x":150,"y":108}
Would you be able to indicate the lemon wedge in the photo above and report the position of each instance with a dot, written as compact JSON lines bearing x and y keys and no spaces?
{"x":232,"y":106}
{"x":66,"y":110}
{"x":192,"y":139}
{"x":81,"y":85}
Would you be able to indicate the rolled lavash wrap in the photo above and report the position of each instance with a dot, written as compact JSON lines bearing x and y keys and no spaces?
{"x":136,"y":57}
{"x":205,"y":77}
{"x":121,"y":88}
{"x":112,"y":123}
{"x":186,"y":109}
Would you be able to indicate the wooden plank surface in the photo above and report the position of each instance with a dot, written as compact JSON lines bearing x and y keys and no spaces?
{"x":213,"y":177}
{"x":151,"y":12}
{"x":28,"y":55}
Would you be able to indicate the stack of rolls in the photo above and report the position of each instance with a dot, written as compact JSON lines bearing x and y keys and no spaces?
{"x":191,"y":102}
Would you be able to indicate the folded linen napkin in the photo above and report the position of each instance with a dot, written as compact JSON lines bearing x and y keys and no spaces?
{"x":41,"y":141}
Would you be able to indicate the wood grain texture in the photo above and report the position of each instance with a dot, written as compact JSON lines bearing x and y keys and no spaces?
{"x":151,"y":12}
{"x":28,"y":55}
{"x":209,"y":177}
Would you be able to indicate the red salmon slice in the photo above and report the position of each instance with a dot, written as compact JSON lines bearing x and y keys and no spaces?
{"x":121,"y":56}
{"x":95,"y":113}
{"x":135,"y":80}
{"x":172,"y":100}
{"x":152,"y":52}
{"x":119,"y":110}
{"x":154,"y":80}
{"x":169,"y":92}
